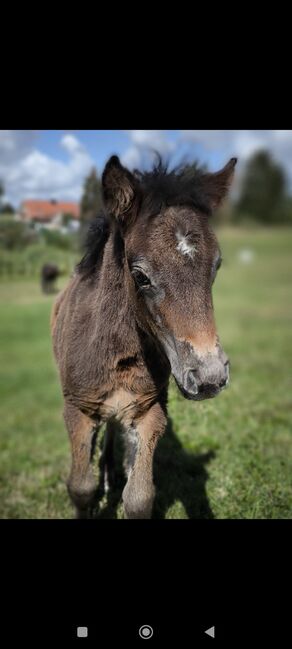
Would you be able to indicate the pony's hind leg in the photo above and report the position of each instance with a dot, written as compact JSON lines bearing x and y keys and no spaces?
{"x":141,"y":441}
{"x":82,"y":484}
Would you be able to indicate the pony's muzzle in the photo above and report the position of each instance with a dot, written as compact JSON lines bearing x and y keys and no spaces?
{"x":206,"y":383}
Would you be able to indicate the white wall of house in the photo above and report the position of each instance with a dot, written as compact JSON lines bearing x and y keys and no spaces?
{"x":53,"y":224}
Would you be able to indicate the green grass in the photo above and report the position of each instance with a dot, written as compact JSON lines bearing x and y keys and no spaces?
{"x":230,"y":457}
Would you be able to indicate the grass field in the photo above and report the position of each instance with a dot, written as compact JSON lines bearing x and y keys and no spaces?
{"x":230,"y":457}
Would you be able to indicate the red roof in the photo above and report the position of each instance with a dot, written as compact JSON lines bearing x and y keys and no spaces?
{"x":46,"y":210}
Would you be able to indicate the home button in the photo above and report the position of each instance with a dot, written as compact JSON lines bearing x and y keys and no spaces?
{"x":145,"y":632}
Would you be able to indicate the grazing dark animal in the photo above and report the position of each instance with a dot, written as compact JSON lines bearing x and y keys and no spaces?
{"x":138,"y":308}
{"x":49,"y":274}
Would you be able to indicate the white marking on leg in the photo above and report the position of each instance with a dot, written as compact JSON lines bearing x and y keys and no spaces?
{"x":106,"y":481}
{"x":131,"y":443}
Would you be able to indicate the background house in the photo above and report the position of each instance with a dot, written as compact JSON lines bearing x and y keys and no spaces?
{"x":52,"y":215}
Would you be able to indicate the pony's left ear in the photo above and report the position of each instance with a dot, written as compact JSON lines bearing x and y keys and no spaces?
{"x":120,"y":190}
{"x":217,"y":185}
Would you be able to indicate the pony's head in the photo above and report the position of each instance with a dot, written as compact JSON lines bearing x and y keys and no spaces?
{"x":172,"y":258}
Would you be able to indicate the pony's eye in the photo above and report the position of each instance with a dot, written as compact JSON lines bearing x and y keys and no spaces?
{"x":141,"y":279}
{"x":216,"y":268}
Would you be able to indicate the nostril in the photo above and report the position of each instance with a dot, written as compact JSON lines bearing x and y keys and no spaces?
{"x":191,"y":383}
{"x":225,"y":381}
{"x":206,"y":388}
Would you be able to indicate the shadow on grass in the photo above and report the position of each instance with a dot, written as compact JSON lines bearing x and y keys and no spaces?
{"x":180,"y":478}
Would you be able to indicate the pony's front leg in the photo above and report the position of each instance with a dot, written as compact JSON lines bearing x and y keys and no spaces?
{"x":141,"y":441}
{"x":82,"y":484}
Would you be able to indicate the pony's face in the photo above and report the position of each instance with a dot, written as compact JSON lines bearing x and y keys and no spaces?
{"x":173,"y":258}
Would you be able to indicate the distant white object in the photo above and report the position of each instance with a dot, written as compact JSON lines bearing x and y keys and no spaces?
{"x":246,"y":256}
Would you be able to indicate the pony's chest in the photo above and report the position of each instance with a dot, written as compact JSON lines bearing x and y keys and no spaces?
{"x":125,"y":405}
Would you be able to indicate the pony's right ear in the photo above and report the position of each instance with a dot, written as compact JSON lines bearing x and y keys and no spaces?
{"x":120,"y":190}
{"x":216,"y":185}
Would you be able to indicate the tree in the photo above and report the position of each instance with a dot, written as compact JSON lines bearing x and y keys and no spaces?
{"x":91,"y":202}
{"x":7,"y":208}
{"x":263,"y":194}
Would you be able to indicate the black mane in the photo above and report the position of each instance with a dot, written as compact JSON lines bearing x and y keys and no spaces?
{"x":96,"y":239}
{"x":182,"y":185}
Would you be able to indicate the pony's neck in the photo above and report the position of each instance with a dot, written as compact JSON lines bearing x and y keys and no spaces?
{"x":114,"y":270}
{"x":116,"y":309}
{"x":114,"y":299}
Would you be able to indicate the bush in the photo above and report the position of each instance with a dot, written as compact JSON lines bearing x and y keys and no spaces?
{"x":7,"y":209}
{"x":60,"y":240}
{"x":67,"y":218}
{"x":15,"y":235}
{"x":29,"y":261}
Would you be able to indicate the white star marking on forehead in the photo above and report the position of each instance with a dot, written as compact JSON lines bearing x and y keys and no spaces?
{"x":184,"y":246}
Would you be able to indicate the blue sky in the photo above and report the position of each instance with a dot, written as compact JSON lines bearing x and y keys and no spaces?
{"x":99,"y":144}
{"x":102,"y":144}
{"x":54,"y":163}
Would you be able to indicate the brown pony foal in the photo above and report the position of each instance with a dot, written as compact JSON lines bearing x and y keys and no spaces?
{"x":138,"y":308}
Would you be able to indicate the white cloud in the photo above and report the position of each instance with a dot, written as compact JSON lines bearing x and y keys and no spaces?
{"x":14,"y":145}
{"x":246,"y":143}
{"x":71,"y":144}
{"x":243,"y":143}
{"x":240,"y":143}
{"x":209,"y":139}
{"x":132,"y":158}
{"x":156,"y":140}
{"x":282,"y":135}
{"x":29,"y":173}
{"x":143,"y":145}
